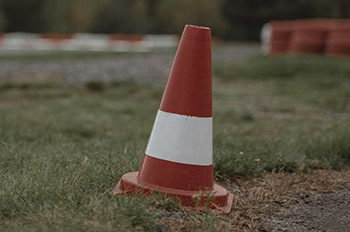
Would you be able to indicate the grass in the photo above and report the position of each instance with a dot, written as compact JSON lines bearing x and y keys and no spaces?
{"x":285,"y":67}
{"x":64,"y":55}
{"x":63,"y":148}
{"x":55,"y":55}
{"x":287,"y":112}
{"x":14,"y":56}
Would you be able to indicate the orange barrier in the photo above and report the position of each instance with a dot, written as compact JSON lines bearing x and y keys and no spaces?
{"x":338,"y":40}
{"x":56,"y":37}
{"x":130,"y":38}
{"x":309,"y":36}
{"x":280,"y":35}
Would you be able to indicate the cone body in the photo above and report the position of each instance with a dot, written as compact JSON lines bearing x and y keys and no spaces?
{"x":178,"y":158}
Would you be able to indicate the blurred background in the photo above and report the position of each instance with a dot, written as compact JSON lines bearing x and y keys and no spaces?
{"x":229,"y":19}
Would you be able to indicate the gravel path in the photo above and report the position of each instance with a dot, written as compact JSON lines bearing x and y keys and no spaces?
{"x":322,"y":212}
{"x":153,"y":67}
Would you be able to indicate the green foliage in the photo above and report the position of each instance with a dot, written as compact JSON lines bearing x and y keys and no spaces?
{"x":69,"y":16}
{"x":124,"y":17}
{"x":2,"y":19}
{"x":236,"y":19}
{"x":246,"y":17}
{"x":206,"y":13}
{"x":23,"y":15}
{"x":159,"y":16}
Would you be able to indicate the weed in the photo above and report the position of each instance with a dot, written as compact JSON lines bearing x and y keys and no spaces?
{"x":95,"y":86}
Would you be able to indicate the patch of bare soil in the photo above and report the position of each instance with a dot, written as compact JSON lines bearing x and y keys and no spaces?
{"x":317,"y":201}
{"x":322,"y":212}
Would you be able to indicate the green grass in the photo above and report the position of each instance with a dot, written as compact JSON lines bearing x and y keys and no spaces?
{"x":295,"y":108}
{"x":63,"y":148}
{"x":70,"y":55}
{"x":60,"y":55}
{"x":285,"y":67}
{"x":49,"y":55}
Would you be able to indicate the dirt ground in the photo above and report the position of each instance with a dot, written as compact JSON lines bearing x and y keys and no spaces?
{"x":316,"y":201}
{"x":321,"y":212}
{"x":295,"y":202}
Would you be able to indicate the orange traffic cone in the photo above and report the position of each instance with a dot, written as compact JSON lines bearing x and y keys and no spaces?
{"x":178,"y":159}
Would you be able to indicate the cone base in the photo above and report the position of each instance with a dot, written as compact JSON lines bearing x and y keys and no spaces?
{"x":218,"y":199}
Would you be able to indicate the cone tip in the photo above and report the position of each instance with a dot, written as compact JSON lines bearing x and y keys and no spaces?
{"x":195,"y":27}
{"x":197,"y":33}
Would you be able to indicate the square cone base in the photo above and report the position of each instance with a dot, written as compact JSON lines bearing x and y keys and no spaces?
{"x":217,"y":200}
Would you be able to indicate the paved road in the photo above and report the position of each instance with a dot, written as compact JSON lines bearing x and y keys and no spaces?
{"x":153,"y":67}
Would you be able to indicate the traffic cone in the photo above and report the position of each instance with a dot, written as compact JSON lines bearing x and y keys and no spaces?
{"x":178,"y":159}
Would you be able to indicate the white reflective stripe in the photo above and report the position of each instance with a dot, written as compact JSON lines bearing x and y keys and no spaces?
{"x":182,"y":139}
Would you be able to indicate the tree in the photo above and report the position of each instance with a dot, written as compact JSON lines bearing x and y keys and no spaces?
{"x":173,"y":15}
{"x":24,"y":15}
{"x":2,"y":20}
{"x":246,"y":17}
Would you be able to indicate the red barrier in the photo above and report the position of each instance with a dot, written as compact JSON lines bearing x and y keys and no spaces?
{"x":130,"y":38}
{"x":56,"y":37}
{"x":280,"y":36}
{"x":338,"y":40}
{"x":309,"y":36}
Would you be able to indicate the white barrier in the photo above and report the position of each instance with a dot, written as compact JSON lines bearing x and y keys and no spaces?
{"x":85,"y":42}
{"x":265,"y":37}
